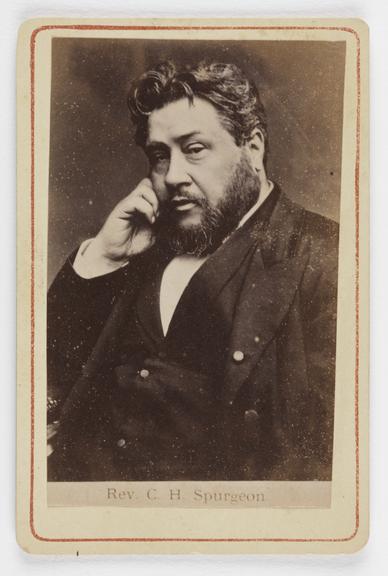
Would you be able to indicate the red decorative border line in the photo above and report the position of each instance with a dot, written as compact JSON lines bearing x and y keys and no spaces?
{"x":357,"y":282}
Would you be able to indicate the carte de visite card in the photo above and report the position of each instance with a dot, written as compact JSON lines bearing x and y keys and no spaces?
{"x":192,"y":286}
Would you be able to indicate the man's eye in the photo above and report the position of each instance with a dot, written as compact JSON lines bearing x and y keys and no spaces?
{"x":157,"y":157}
{"x":194,"y":149}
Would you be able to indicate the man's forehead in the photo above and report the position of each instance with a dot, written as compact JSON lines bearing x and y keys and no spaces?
{"x":181,"y":118}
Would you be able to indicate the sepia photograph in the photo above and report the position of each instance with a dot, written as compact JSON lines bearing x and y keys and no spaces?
{"x":192,"y":327}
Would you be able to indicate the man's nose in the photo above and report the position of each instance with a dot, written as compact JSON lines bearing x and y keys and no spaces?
{"x":177,"y":170}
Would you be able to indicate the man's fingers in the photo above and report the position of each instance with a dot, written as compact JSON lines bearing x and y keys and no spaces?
{"x":140,"y":206}
{"x":148,"y":194}
{"x":143,"y":190}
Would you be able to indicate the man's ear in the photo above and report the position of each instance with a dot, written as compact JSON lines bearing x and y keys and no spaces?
{"x":255,"y":147}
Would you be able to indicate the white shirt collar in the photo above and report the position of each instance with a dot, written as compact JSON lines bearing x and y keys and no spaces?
{"x":257,"y":205}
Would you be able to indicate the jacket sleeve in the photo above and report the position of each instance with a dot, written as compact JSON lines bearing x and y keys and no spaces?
{"x":303,"y":404}
{"x":320,"y":322}
{"x":77,"y":309}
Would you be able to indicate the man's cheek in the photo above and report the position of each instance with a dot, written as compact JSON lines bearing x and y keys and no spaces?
{"x":210,"y":187}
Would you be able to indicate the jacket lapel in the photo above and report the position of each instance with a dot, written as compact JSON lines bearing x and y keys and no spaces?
{"x":272,"y":280}
{"x":264,"y":301}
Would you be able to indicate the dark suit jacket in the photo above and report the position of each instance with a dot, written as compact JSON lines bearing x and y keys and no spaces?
{"x":275,"y":413}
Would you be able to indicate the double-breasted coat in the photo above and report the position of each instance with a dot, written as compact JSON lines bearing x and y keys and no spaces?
{"x":242,"y":387}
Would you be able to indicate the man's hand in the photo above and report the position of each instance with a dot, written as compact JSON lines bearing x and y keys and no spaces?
{"x":127,"y":231}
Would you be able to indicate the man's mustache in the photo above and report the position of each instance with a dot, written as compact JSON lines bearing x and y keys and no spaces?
{"x":181,"y":197}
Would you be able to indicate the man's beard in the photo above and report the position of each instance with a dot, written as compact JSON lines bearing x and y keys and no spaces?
{"x":216,"y":222}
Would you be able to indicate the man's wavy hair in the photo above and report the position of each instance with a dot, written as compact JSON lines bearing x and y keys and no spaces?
{"x":224,"y":85}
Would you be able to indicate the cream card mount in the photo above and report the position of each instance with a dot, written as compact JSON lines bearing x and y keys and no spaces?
{"x":192,"y":286}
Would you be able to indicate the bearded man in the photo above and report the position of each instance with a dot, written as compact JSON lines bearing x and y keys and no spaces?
{"x":194,"y":337}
